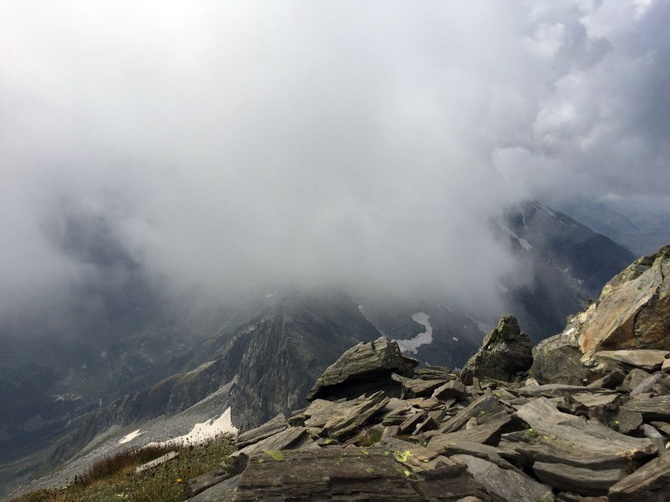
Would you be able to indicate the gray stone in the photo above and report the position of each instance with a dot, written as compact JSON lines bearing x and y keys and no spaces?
{"x":558,"y":359}
{"x":326,"y":474}
{"x":450,"y":390}
{"x":366,"y":367}
{"x":645,"y":385}
{"x":505,"y":483}
{"x":417,"y":387}
{"x":487,"y":433}
{"x":340,"y":420}
{"x":650,"y":483}
{"x":220,"y":492}
{"x":578,"y":479}
{"x":505,"y":352}
{"x":646,"y":359}
{"x":634,"y":378}
{"x":292,"y":438}
{"x":482,"y":409}
{"x":277,"y":424}
{"x":651,"y":408}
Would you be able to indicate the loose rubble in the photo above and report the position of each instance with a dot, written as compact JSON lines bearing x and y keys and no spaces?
{"x":427,"y":436}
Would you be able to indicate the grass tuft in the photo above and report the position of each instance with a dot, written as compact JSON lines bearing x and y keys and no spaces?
{"x":114,"y":477}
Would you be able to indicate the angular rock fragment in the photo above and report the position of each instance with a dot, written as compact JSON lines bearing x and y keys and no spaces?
{"x":632,"y":311}
{"x":365,"y":368}
{"x":327,"y":474}
{"x":651,"y":408}
{"x":292,"y":438}
{"x":505,"y":483}
{"x":450,"y":390}
{"x":505,"y":351}
{"x":646,"y":359}
{"x":578,"y":479}
{"x":482,"y":409}
{"x":650,"y":483}
{"x":277,"y":424}
{"x":339,"y":420}
{"x":561,"y":438}
{"x":558,"y":358}
{"x":488,"y":433}
{"x":417,"y":387}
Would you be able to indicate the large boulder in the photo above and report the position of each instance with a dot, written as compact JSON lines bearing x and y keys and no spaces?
{"x":505,"y":352}
{"x":365,"y":368}
{"x":633,"y":311}
{"x":558,"y":359}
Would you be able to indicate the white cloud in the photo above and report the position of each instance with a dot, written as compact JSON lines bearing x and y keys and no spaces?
{"x":238,"y":142}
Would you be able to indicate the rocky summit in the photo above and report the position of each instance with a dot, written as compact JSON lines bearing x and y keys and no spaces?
{"x":430,"y":434}
{"x":583,"y":416}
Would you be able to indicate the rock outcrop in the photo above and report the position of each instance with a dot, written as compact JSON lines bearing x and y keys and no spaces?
{"x":366,"y":366}
{"x":631,"y":314}
{"x":442,"y":440}
{"x":505,"y":353}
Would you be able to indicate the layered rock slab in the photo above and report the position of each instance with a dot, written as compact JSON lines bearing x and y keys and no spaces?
{"x":366,"y":367}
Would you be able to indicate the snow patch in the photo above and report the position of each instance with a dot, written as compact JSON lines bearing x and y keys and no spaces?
{"x":454,"y":338}
{"x":203,"y":432}
{"x":424,"y":338}
{"x":502,"y":288}
{"x":129,"y":437}
{"x":523,"y":242}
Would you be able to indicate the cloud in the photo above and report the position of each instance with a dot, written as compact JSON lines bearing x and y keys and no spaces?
{"x":239,"y":143}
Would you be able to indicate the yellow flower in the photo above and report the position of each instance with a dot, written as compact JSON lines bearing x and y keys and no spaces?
{"x":179,"y":480}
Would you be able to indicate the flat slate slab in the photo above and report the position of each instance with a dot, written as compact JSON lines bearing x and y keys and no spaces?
{"x":565,"y":440}
{"x":327,"y":474}
{"x":647,"y":359}
{"x":277,"y":424}
{"x":650,"y":483}
{"x":505,"y":483}
{"x":651,"y":408}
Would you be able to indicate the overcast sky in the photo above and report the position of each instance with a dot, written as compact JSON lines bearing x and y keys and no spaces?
{"x":230,"y":143}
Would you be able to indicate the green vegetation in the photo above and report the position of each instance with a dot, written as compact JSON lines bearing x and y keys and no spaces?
{"x":114,"y":478}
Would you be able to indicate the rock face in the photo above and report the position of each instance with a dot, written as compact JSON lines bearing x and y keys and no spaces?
{"x":631,"y":314}
{"x":265,"y":368}
{"x":505,"y":352}
{"x":367,"y":366}
{"x":633,"y":311}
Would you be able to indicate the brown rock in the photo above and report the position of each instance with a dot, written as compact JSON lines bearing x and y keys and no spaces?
{"x":633,"y":309}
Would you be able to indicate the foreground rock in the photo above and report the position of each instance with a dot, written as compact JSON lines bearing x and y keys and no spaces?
{"x":495,"y":441}
{"x":506,"y":352}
